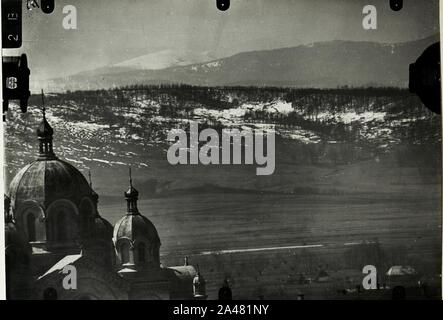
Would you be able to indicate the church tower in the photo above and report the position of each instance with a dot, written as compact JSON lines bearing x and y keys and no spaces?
{"x":136,"y":240}
{"x":97,"y":240}
{"x":52,"y":202}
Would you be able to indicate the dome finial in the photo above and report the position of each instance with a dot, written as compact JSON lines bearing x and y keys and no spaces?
{"x":131,"y":196}
{"x":90,"y":179}
{"x":94,"y":194}
{"x":130,"y":177}
{"x":43,"y":105}
{"x":45,"y":133}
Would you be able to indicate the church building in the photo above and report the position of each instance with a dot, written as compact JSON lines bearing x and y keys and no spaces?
{"x":53,"y":228}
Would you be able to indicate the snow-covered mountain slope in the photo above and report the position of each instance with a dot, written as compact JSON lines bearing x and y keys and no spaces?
{"x":321,"y":65}
{"x":163,"y":59}
{"x":109,"y":130}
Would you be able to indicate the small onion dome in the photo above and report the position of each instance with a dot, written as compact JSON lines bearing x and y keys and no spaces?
{"x":135,"y":227}
{"x":198,"y":279}
{"x":199,"y":286}
{"x":132,"y":193}
{"x":102,"y":229}
{"x":97,"y":244}
{"x":131,"y":196}
{"x":137,"y":231}
{"x":45,"y":133}
{"x":45,"y":130}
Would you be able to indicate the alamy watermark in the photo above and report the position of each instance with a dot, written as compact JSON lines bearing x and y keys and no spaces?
{"x":258,"y":147}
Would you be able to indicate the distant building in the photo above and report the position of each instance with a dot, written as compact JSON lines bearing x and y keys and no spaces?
{"x":52,"y":224}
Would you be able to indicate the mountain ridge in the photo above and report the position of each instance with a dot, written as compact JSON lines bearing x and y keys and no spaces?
{"x":329,"y":64}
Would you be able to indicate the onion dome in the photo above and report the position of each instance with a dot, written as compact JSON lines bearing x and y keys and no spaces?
{"x":100,"y":229}
{"x":225,"y":292}
{"x":131,"y":196}
{"x":45,"y":130}
{"x":97,"y":238}
{"x":50,"y":199}
{"x":47,"y":181}
{"x":48,"y":178}
{"x":45,"y":133}
{"x":134,"y":227}
{"x":199,"y":286}
{"x":135,"y":236}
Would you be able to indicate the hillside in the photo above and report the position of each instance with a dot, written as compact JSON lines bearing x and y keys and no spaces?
{"x":328,"y":141}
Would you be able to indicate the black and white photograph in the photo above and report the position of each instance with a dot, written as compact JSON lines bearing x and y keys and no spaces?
{"x":222,"y":150}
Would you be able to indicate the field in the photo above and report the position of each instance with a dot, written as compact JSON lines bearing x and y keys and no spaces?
{"x":244,"y":235}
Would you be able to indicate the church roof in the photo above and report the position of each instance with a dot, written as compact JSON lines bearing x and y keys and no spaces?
{"x":45,"y":130}
{"x":102,"y":228}
{"x":48,"y":178}
{"x":184,"y":272}
{"x":134,"y":227}
{"x":46,"y":181}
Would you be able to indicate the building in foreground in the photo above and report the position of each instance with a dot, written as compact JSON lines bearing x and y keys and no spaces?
{"x":53,"y":228}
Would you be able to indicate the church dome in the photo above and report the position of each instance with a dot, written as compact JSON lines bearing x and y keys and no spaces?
{"x":46,"y":181}
{"x":134,"y":227}
{"x":102,"y":229}
{"x":50,"y":199}
{"x":136,"y":239}
{"x":99,"y":245}
{"x":199,"y":286}
{"x":48,"y":178}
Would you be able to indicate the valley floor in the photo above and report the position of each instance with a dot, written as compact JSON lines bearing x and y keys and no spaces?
{"x":264,"y":243}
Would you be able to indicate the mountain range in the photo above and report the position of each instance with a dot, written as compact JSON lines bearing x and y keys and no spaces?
{"x":320,"y":65}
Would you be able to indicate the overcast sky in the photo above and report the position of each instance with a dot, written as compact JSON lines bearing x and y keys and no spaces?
{"x":112,"y":31}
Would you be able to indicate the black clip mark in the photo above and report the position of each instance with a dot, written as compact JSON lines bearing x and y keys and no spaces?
{"x":425,"y":78}
{"x":11,"y":24}
{"x":396,"y":5}
{"x":48,"y":6}
{"x":16,"y":81}
{"x":223,"y":5}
